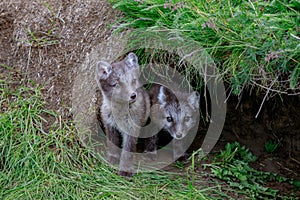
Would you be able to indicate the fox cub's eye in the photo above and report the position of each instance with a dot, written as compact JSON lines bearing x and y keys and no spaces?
{"x":169,"y":119}
{"x":115,"y":84}
{"x":186,"y":119}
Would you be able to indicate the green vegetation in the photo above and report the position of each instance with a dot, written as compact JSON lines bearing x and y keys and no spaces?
{"x":42,"y":160}
{"x":39,"y":160}
{"x":271,"y":146}
{"x":253,"y":43}
{"x":232,"y":166}
{"x":41,"y":39}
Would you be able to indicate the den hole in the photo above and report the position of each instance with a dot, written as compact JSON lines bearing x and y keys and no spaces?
{"x":195,"y":81}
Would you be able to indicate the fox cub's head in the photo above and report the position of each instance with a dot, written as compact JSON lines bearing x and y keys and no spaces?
{"x":178,"y":118}
{"x":119,"y":81}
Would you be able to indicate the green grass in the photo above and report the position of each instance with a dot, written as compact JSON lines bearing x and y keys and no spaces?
{"x":271,"y":146}
{"x":253,"y":43}
{"x":39,"y":160}
{"x":232,"y":166}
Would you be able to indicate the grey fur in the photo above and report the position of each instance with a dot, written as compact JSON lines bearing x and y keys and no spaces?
{"x":125,"y":108}
{"x":176,"y":118}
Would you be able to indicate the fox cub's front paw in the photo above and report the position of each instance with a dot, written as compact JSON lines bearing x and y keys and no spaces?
{"x":125,"y":174}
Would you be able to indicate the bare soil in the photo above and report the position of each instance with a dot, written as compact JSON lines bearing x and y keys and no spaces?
{"x":47,"y":42}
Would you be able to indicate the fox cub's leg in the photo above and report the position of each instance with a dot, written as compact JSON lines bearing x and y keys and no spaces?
{"x":150,"y":152}
{"x":179,"y":148}
{"x":126,"y":167}
{"x":113,"y":145}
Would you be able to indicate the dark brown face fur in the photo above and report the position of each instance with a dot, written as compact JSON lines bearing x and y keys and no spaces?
{"x":107,"y":85}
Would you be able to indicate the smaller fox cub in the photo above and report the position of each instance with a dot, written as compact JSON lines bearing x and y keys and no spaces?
{"x":177,"y":114}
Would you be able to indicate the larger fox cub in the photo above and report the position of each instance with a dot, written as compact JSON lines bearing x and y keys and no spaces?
{"x":177,"y":114}
{"x":125,"y":108}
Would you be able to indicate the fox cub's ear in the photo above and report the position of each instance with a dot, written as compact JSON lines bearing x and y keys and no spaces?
{"x":162,"y":98}
{"x":103,"y":70}
{"x":131,"y":61}
{"x":194,"y":99}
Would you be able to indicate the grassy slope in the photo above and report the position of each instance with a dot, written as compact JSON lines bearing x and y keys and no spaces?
{"x":51,"y":163}
{"x":253,"y":42}
{"x":35,"y":164}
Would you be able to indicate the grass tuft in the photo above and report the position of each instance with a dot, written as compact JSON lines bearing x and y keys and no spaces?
{"x":254,"y":43}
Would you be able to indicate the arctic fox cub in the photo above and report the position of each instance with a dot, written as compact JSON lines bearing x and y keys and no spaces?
{"x":178,"y":114}
{"x":125,"y":108}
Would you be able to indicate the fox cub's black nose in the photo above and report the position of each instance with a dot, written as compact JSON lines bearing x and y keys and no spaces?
{"x":178,"y":135}
{"x":133,"y":96}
